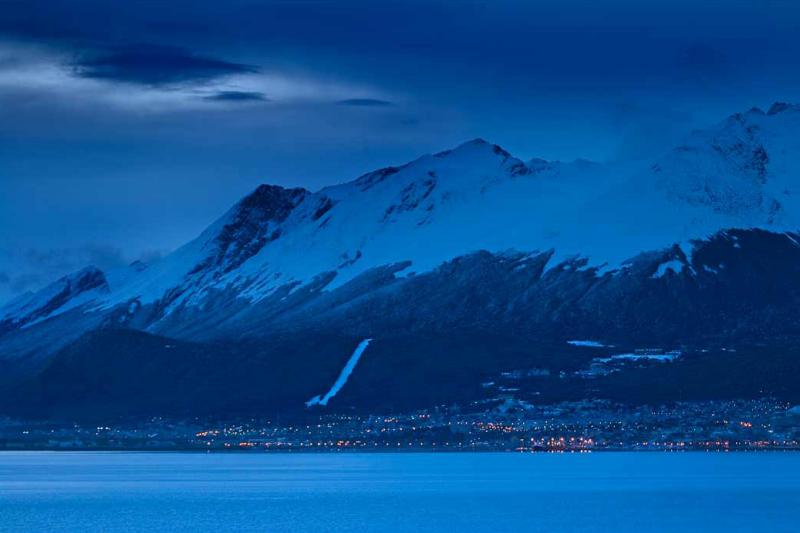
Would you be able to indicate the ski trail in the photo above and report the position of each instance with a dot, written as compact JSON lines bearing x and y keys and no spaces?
{"x":343,"y":375}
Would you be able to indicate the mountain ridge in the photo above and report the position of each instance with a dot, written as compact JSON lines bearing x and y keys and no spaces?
{"x":230,"y":249}
{"x":695,"y":250}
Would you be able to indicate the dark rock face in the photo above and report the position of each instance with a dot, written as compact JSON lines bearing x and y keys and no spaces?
{"x":736,"y":285}
{"x":411,"y":197}
{"x":254,"y":222}
{"x":325,"y":205}
{"x":779,"y":107}
{"x":369,"y":180}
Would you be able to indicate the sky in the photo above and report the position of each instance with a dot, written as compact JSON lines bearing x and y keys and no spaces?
{"x":126,"y":127}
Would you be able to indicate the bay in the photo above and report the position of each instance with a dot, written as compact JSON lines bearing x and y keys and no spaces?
{"x":117,"y":492}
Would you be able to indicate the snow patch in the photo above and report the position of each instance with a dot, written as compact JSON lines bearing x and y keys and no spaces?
{"x":791,"y":238}
{"x":660,"y":357}
{"x":672,"y":265}
{"x":588,"y":344}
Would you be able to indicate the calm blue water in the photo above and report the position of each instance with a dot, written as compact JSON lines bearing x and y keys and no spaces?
{"x":493,"y":493}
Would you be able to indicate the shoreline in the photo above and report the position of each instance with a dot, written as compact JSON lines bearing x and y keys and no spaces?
{"x":352,"y":451}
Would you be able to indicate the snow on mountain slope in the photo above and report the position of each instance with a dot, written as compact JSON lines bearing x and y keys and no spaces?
{"x":67,"y":293}
{"x":204,"y":262}
{"x":740,"y":173}
{"x":745,"y":168}
{"x":477,"y":196}
{"x":440,"y":206}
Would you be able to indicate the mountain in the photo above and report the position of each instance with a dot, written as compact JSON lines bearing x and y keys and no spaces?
{"x":66,"y":293}
{"x":462,"y":266}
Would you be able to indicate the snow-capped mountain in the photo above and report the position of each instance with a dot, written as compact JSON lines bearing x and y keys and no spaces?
{"x":74,"y":290}
{"x":473,"y":238}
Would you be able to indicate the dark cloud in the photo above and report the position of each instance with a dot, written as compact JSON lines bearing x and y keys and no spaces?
{"x":237,"y":96}
{"x":156,"y":65}
{"x":364,"y":102}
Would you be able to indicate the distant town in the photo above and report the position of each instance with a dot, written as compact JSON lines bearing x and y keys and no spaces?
{"x":584,"y":426}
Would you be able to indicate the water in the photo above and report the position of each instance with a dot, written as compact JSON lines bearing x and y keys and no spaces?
{"x":395,"y":493}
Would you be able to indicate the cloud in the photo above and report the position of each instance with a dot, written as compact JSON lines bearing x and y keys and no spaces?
{"x":155,"y":79}
{"x":364,"y":102}
{"x":237,"y":96}
{"x":157,"y":65}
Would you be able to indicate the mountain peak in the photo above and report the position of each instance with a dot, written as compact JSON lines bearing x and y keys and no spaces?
{"x":67,"y":292}
{"x":477,"y":141}
{"x":251,"y":224}
{"x":87,"y":272}
{"x":271,"y":198}
{"x":476,"y":145}
{"x":138,"y":266}
{"x":780,"y":107}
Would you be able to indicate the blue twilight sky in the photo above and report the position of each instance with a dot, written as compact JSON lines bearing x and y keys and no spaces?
{"x":127,"y":126}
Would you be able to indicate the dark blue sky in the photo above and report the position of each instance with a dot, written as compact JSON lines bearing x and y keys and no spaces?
{"x":126,"y":127}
